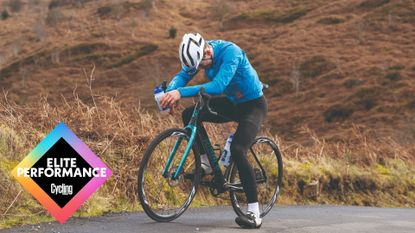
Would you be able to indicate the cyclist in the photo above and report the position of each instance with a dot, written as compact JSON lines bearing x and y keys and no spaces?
{"x":229,"y":72}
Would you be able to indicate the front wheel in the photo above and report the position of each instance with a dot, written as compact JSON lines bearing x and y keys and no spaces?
{"x":162,"y":197}
{"x":266,"y":160}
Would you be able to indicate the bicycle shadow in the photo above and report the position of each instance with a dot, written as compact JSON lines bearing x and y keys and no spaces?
{"x":196,"y":226}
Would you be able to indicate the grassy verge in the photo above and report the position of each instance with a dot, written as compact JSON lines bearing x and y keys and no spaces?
{"x":362,"y":171}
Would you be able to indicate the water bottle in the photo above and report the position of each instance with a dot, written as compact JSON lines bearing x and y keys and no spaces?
{"x":225,"y":158}
{"x":158,"y":95}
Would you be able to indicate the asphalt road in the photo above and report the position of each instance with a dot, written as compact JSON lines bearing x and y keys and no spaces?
{"x":327,"y":219}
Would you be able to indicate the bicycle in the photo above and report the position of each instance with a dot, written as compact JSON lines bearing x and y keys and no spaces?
{"x":165,"y":188}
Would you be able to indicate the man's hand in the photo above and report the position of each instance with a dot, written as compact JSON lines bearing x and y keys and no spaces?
{"x":170,"y":99}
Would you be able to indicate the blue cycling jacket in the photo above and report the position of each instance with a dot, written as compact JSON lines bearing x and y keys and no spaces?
{"x":231,"y":74}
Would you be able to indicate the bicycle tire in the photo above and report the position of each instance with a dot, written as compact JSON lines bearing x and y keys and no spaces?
{"x":233,"y":194}
{"x":145,"y":200}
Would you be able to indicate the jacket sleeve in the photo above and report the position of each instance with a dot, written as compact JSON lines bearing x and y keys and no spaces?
{"x":227,"y":70}
{"x":180,"y":80}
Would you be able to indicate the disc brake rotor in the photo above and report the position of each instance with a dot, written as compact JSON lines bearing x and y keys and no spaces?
{"x":171,"y":182}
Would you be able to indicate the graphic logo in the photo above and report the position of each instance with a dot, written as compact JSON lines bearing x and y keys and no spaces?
{"x":61,"y":172}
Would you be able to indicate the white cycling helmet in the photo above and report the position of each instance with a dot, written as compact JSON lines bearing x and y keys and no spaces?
{"x":191,"y":50}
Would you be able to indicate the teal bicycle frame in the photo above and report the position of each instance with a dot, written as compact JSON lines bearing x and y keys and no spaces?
{"x":192,"y":128}
{"x":206,"y":144}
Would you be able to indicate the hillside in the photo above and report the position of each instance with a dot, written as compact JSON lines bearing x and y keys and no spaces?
{"x":341,"y":96}
{"x":333,"y":66}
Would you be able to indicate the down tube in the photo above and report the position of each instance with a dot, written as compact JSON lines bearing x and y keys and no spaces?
{"x":186,"y":152}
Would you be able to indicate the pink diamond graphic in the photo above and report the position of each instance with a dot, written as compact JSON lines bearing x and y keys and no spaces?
{"x":61,"y":172}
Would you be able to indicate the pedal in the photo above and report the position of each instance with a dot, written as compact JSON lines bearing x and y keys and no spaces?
{"x":208,"y":184}
{"x":216,"y":192}
{"x":213,"y":187}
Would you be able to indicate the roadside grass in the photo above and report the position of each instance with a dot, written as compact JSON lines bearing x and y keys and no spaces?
{"x":362,"y":171}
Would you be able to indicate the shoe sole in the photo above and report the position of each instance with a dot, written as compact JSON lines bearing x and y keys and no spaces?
{"x":242,"y":224}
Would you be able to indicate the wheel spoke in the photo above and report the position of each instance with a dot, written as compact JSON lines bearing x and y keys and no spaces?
{"x":164,"y":199}
{"x":265,"y":158}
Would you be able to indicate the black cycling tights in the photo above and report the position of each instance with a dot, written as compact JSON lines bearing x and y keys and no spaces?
{"x":249,"y":115}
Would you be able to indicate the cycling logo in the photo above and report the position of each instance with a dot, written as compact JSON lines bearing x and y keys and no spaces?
{"x":61,"y":172}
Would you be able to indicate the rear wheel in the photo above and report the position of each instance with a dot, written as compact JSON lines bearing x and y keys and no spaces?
{"x":266,"y":160}
{"x":164,"y":198}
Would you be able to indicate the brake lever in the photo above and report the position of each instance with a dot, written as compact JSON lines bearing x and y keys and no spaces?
{"x":206,"y":96}
{"x":210,"y":110}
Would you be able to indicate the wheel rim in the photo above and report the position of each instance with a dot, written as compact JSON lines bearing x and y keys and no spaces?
{"x":268,"y":155}
{"x":164,"y":197}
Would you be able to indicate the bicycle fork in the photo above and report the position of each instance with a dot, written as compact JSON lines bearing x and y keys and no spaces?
{"x":173,"y":152}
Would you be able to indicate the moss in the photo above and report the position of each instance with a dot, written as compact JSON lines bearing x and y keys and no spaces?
{"x":172,"y":32}
{"x":364,"y":184}
{"x":61,"y":3}
{"x":370,"y":4}
{"x":4,"y":15}
{"x":99,"y":53}
{"x":104,"y":11}
{"x":14,"y":5}
{"x":119,"y":9}
{"x":8,"y":165}
{"x":142,"y":51}
{"x":338,"y":112}
{"x":352,"y":83}
{"x":84,"y":48}
{"x":357,"y":184}
{"x":25,"y":219}
{"x":279,"y":86}
{"x":334,"y":184}
{"x":97,"y":205}
{"x":381,"y":169}
{"x":40,"y":58}
{"x":402,"y":11}
{"x":54,"y":17}
{"x":291,"y":16}
{"x":397,"y":67}
{"x":330,"y":20}
{"x":393,"y":76}
{"x":374,"y":71}
{"x":147,"y":49}
{"x":321,"y":95}
{"x":99,"y":58}
{"x":306,"y":166}
{"x":368,"y":103}
{"x":316,"y":66}
{"x":411,"y":105}
{"x":367,"y":97}
{"x":271,"y":16}
{"x":332,"y":76}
